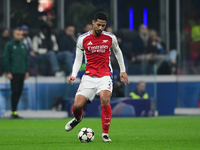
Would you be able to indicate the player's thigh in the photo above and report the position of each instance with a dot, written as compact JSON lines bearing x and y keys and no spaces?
{"x":105,"y":97}
{"x":87,"y":88}
{"x":88,"y":93}
{"x":79,"y":102}
{"x":104,"y":83}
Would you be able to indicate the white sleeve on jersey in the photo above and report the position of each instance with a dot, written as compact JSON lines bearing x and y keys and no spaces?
{"x":78,"y":58}
{"x":118,"y":54}
{"x":77,"y":62}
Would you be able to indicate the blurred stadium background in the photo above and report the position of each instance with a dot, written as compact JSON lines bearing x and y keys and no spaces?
{"x":171,"y":92}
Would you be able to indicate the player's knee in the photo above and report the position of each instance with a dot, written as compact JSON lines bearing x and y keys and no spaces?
{"x":79,"y":102}
{"x":77,"y":106}
{"x":105,"y":100}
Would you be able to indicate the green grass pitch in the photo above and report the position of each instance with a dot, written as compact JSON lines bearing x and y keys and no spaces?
{"x":150,"y":133}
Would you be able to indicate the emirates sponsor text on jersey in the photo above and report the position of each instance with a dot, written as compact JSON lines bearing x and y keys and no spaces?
{"x":98,"y":48}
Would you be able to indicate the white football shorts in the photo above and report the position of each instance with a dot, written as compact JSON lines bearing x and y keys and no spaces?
{"x":91,"y":86}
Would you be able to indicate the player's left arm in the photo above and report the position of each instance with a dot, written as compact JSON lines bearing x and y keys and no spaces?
{"x":118,"y":54}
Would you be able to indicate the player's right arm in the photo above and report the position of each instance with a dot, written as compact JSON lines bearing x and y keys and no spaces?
{"x":77,"y":61}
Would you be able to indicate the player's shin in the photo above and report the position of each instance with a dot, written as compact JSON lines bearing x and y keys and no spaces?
{"x":106,"y":115}
{"x":77,"y":113}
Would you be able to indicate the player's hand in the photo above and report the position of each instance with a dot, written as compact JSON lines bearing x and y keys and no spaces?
{"x":71,"y":79}
{"x":125,"y":77}
{"x":10,"y":76}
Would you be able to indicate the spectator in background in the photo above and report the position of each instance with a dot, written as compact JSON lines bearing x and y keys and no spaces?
{"x":155,"y":44}
{"x":16,"y":66}
{"x":110,"y":29}
{"x":28,"y":42}
{"x":139,"y":46}
{"x":159,"y":54}
{"x":4,"y":38}
{"x":87,"y":27}
{"x":139,"y":92}
{"x":26,"y":39}
{"x":67,"y":45}
{"x":45,"y":45}
{"x":137,"y":56}
{"x":193,"y":39}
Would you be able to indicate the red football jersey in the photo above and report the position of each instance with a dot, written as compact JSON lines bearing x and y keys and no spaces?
{"x":97,"y":53}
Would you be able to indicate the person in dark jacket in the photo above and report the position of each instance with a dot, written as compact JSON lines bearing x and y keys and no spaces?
{"x":45,"y":46}
{"x":16,"y":66}
{"x":138,"y":53}
{"x":164,"y":59}
{"x":67,"y":44}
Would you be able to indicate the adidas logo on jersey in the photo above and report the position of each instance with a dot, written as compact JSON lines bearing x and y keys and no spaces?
{"x":90,"y":43}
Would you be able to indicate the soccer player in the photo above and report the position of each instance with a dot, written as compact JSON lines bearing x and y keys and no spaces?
{"x":97,"y":79}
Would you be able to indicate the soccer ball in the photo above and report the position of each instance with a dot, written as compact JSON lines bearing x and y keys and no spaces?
{"x":86,"y":135}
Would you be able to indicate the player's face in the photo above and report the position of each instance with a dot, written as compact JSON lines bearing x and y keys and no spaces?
{"x":98,"y":26}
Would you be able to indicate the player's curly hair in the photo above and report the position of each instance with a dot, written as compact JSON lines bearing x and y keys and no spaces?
{"x":100,"y":15}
